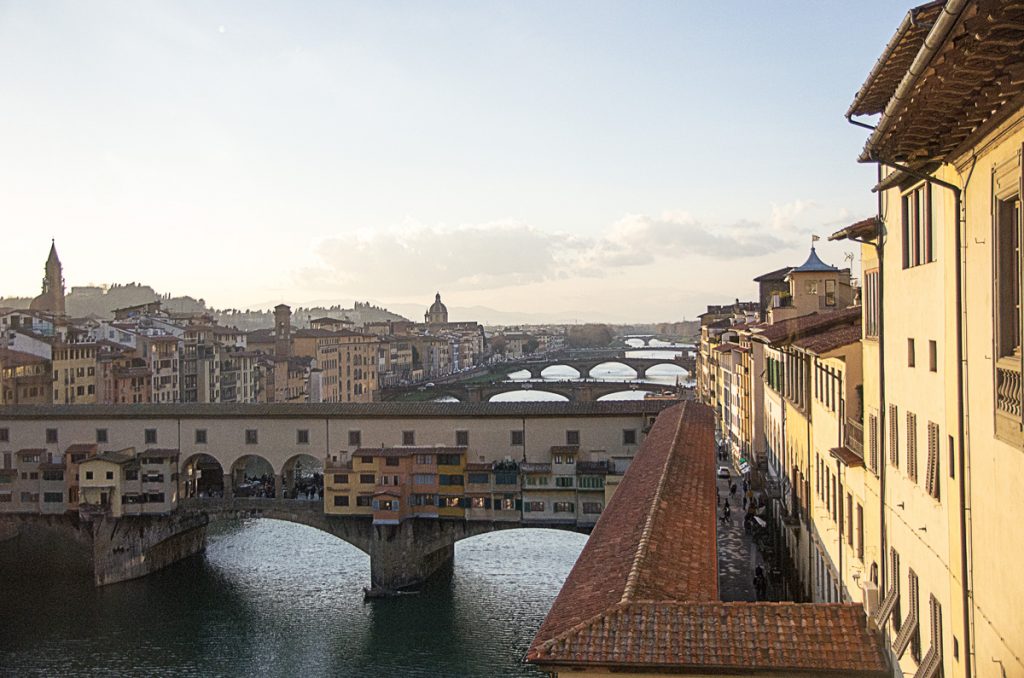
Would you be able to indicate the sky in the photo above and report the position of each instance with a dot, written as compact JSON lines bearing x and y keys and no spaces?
{"x":620,"y":161}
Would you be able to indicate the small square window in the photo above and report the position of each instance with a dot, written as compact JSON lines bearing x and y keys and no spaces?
{"x":355,"y":438}
{"x":408,"y":437}
{"x":911,"y":361}
{"x":933,"y":356}
{"x":629,"y":436}
{"x":517,"y":437}
{"x":101,"y":435}
{"x":5,"y":435}
{"x":200,"y":436}
{"x":150,"y":436}
{"x":572,"y":437}
{"x":462,"y":438}
{"x":51,"y":435}
{"x":251,"y":436}
{"x":110,"y":475}
{"x":302,"y":436}
{"x":88,"y":475}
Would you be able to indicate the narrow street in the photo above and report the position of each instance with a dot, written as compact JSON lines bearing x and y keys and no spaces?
{"x":737,"y":556}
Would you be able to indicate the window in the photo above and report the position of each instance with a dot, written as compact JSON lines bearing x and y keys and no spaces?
{"x":917,"y":226}
{"x":341,"y":500}
{"x":572,"y":437}
{"x":450,"y":479}
{"x":88,"y":475}
{"x":367,"y":478}
{"x":53,"y":475}
{"x":480,"y":502}
{"x":911,"y":362}
{"x":150,"y":436}
{"x":591,"y":507}
{"x":5,"y":435}
{"x":425,"y":459}
{"x":53,"y":497}
{"x":563,"y":481}
{"x":200,"y":436}
{"x":894,"y":577}
{"x":355,"y":438}
{"x":366,"y":460}
{"x":302,"y":436}
{"x":860,"y":531}
{"x":894,"y":437}
{"x":408,"y":437}
{"x":629,"y":436}
{"x":251,"y":436}
{"x":110,"y":475}
{"x":479,"y":478}
{"x":533,"y":506}
{"x":849,"y":520}
{"x":462,"y":438}
{"x":931,"y":481}
{"x":933,"y":356}
{"x":101,"y":435}
{"x":517,"y":437}
{"x":51,"y":435}
{"x":565,"y":507}
{"x":449,"y":459}
{"x":912,"y":446}
{"x":871,"y":307}
{"x":591,"y":482}
{"x":364,"y":500}
{"x":1008,"y":276}
{"x":830,"y":292}
{"x":340,"y":478}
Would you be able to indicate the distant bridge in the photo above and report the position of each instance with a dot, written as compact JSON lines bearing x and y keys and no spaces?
{"x":585,"y":365}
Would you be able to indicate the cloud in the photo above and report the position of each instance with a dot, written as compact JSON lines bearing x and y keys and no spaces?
{"x":405,"y":259}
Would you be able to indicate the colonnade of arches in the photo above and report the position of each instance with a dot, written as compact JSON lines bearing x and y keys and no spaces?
{"x":250,"y":475}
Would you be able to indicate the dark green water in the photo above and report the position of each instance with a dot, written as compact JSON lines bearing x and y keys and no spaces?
{"x":275,"y":599}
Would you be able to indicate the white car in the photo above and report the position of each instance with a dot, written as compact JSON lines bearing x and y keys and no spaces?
{"x":723,"y":472}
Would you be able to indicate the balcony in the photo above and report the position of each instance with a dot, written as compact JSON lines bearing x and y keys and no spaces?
{"x":1008,"y":400}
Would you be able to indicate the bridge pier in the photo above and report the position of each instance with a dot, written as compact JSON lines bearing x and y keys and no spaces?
{"x":408,"y":554}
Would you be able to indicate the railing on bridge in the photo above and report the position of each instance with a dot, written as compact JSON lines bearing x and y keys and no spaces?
{"x":251,"y":503}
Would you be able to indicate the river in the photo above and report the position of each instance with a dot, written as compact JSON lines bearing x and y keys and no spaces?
{"x":270,"y":598}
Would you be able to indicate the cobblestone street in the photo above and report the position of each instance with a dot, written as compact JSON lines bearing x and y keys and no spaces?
{"x":737,"y":556}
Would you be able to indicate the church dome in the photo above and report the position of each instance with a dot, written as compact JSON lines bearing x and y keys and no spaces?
{"x":437,"y":306}
{"x":438,"y":312}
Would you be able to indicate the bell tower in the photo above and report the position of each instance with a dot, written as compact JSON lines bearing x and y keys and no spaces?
{"x":52,"y":297}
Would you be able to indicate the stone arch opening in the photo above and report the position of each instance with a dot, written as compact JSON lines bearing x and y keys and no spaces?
{"x":253,"y":476}
{"x":560,"y":372}
{"x":302,"y":477}
{"x":201,"y":476}
{"x":613,"y":370}
{"x":527,"y":395}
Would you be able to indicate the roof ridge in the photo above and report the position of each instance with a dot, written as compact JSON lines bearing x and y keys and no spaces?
{"x":645,"y":535}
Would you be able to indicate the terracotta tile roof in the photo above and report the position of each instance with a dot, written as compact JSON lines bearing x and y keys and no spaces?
{"x":847,"y":456}
{"x":789,"y":330}
{"x":830,"y":340}
{"x":9,"y":358}
{"x":881,"y":83}
{"x":405,"y":451}
{"x":745,"y":637}
{"x":643,"y":594}
{"x":565,"y":448}
{"x":75,"y":448}
{"x":778,"y":275}
{"x":336,"y":410}
{"x":478,"y":466}
{"x":865,"y":228}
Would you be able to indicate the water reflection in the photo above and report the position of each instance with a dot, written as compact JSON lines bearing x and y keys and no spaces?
{"x":275,"y":599}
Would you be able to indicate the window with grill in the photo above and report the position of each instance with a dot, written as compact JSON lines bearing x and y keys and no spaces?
{"x":150,"y":436}
{"x":912,"y":446}
{"x":302,"y":436}
{"x":516,"y":437}
{"x":462,"y":438}
{"x":408,"y":437}
{"x":251,"y":436}
{"x":572,"y":437}
{"x":932,"y":472}
{"x":894,"y":436}
{"x":355,"y":438}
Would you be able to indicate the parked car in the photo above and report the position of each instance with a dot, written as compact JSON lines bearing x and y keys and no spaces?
{"x":723,"y":472}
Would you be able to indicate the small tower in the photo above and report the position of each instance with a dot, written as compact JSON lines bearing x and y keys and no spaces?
{"x":282,"y":331}
{"x":52,"y":298}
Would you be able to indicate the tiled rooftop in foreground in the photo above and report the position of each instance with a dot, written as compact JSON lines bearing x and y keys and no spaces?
{"x":643,"y":595}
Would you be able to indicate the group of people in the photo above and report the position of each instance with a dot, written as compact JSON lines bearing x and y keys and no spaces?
{"x":309,"y":487}
{"x":749,"y":523}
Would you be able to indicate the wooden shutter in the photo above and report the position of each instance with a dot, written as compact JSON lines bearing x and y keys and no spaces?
{"x":912,"y":446}
{"x":894,"y":437}
{"x":873,"y":442}
{"x":932,"y":481}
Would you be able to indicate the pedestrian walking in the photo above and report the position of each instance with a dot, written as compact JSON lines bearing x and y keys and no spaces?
{"x":732,"y":490}
{"x":726,"y":512}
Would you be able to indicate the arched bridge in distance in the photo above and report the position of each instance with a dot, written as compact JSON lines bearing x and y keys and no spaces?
{"x":586,"y":365}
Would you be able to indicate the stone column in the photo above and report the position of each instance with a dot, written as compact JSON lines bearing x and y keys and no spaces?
{"x":228,"y":487}
{"x":408,"y":554}
{"x":278,"y":486}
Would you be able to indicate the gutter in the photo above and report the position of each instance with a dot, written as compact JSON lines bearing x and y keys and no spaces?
{"x":904,"y":92}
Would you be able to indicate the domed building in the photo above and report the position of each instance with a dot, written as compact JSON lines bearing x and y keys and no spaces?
{"x":437,"y":314}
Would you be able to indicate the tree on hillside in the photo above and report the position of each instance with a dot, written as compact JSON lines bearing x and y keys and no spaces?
{"x":588,"y":336}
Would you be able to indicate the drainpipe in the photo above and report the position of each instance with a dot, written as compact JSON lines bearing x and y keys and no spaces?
{"x":961,"y":436}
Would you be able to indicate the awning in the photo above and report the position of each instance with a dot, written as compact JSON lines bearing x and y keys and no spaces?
{"x":847,"y":456}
